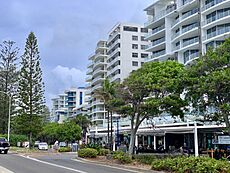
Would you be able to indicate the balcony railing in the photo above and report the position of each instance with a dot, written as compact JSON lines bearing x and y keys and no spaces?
{"x":155,"y":30}
{"x":186,"y":15}
{"x":156,"y":42}
{"x":216,"y":17}
{"x":155,"y":55}
{"x":190,"y":27}
{"x":218,"y":32}
{"x":211,"y":4}
{"x":160,"y":15}
{"x":191,"y":41}
{"x":191,"y":57}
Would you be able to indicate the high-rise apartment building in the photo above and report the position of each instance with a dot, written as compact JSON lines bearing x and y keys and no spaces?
{"x":126,"y":50}
{"x":183,"y":29}
{"x":66,"y":105}
{"x":116,"y":58}
{"x":97,"y":70}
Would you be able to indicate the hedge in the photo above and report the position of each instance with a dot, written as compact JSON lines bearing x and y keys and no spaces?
{"x":87,"y":153}
{"x":64,"y":149}
{"x":191,"y":165}
{"x":122,"y":157}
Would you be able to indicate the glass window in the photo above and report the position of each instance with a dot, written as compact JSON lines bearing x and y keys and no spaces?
{"x":134,"y":63}
{"x":135,"y":55}
{"x":134,"y":37}
{"x":134,"y":46}
{"x":142,"y":38}
{"x":143,"y":47}
{"x":144,"y":30}
{"x":129,"y":28}
{"x":144,"y":55}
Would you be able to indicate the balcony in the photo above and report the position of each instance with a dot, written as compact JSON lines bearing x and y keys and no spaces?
{"x":156,"y":30}
{"x":211,"y":4}
{"x":96,"y":87}
{"x":191,"y":57}
{"x":217,"y":32}
{"x":190,"y":27}
{"x":190,"y":42}
{"x":99,"y":78}
{"x":156,"y":42}
{"x":186,"y":15}
{"x":160,"y":15}
{"x":216,"y":17}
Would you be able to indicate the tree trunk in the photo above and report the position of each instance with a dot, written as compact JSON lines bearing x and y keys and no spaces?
{"x":30,"y":140}
{"x":132,"y":140}
{"x":111,"y":132}
{"x":108,"y":140}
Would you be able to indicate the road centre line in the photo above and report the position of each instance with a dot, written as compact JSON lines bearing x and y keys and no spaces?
{"x":52,"y":164}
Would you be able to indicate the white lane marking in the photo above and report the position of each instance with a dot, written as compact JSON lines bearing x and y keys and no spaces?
{"x":4,"y":170}
{"x":123,"y":169}
{"x":52,"y":164}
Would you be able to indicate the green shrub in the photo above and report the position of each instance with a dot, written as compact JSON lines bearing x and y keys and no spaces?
{"x":95,"y":146}
{"x":103,"y":152}
{"x":191,"y":165}
{"x":122,"y":157}
{"x":64,"y":149}
{"x":145,"y":159}
{"x":87,"y":153}
{"x":15,"y":138}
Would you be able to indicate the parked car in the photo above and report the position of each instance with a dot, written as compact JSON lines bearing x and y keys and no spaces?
{"x":36,"y":143}
{"x":62,"y":144}
{"x":4,"y":145}
{"x":43,"y":146}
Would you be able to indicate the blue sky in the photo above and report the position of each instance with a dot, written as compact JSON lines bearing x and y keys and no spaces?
{"x":67,"y":33}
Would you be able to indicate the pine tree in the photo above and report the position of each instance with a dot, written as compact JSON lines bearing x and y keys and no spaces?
{"x":30,"y":90}
{"x":8,"y":79}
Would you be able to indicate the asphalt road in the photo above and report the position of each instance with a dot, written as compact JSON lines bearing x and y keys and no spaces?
{"x":55,"y":163}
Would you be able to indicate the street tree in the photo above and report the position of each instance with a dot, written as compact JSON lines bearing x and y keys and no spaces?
{"x":30,"y":90}
{"x":208,"y":85}
{"x":84,"y":123}
{"x":107,"y":94}
{"x":8,"y":79}
{"x":149,"y":92}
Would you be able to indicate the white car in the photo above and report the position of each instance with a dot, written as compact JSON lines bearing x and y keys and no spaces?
{"x":43,"y":146}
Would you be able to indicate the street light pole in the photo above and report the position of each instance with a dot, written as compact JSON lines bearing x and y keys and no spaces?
{"x":9,"y":111}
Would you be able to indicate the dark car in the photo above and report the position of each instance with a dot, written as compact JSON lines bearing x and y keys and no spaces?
{"x":4,"y":145}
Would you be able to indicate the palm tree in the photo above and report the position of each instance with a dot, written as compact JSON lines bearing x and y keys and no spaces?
{"x":84,"y":123}
{"x":107,"y":93}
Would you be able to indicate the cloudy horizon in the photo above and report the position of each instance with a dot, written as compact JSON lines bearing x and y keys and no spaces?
{"x":67,"y":33}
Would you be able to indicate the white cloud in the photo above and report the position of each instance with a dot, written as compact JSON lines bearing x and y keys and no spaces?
{"x":61,"y":78}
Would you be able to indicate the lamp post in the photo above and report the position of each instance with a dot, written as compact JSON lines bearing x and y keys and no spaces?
{"x":8,"y":131}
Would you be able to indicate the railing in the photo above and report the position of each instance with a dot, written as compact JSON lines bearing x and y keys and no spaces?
{"x":186,"y":15}
{"x":191,"y":41}
{"x":191,"y":56}
{"x":211,"y":4}
{"x":100,"y":69}
{"x":190,"y":27}
{"x":155,"y":30}
{"x":216,"y":17}
{"x":186,"y":2}
{"x":155,"y":55}
{"x":175,"y":35}
{"x":160,"y":15}
{"x":156,"y":42}
{"x":218,"y":32}
{"x":176,"y":47}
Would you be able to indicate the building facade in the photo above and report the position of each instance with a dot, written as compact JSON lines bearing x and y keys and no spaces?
{"x":68,"y":104}
{"x":182,"y":30}
{"x":126,"y":50}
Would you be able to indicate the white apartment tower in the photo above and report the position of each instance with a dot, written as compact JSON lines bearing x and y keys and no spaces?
{"x":66,"y":104}
{"x":126,"y":50}
{"x":183,"y":29}
{"x":96,"y":76}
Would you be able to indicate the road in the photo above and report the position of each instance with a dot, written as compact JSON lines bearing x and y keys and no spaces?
{"x":55,"y":163}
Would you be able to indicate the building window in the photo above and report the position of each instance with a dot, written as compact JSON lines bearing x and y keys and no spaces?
{"x":144,"y":30}
{"x":134,"y":63}
{"x":81,"y":98}
{"x":143,"y":47}
{"x":134,"y":46}
{"x":129,"y":28}
{"x":134,"y":37}
{"x":144,"y":55}
{"x":135,"y":55}
{"x":142,"y":38}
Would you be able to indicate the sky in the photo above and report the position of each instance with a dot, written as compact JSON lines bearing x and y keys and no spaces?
{"x":67,"y":33}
